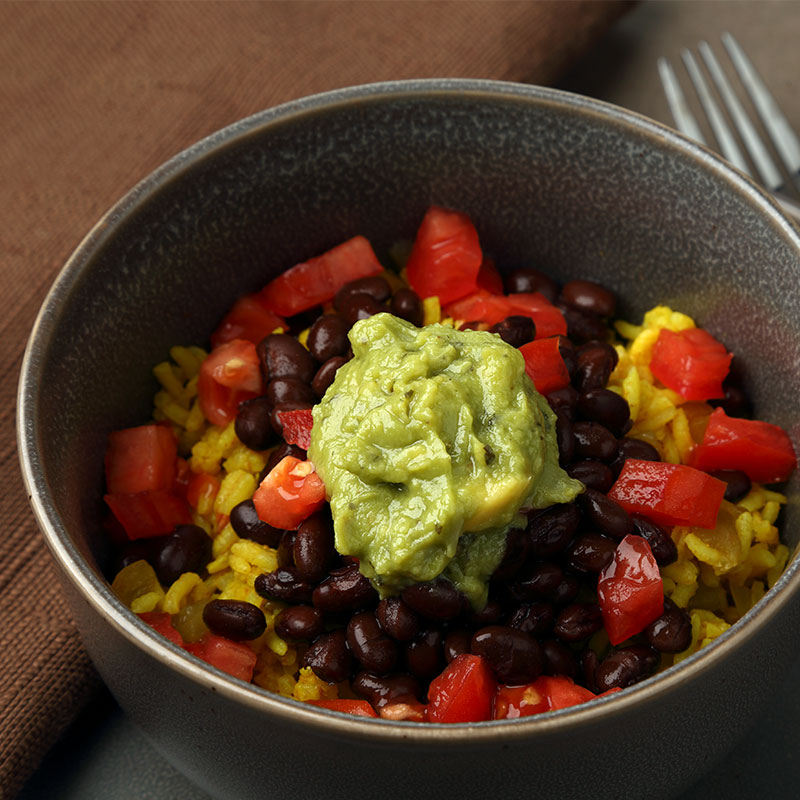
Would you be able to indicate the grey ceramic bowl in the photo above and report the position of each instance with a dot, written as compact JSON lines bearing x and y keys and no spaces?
{"x":576,"y":187}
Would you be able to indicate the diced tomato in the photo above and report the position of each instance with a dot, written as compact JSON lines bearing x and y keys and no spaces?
{"x":630,"y":590}
{"x":317,"y":280}
{"x":358,"y":708}
{"x":489,"y":278}
{"x":544,"y":365}
{"x":691,"y":362}
{"x":297,"y":424}
{"x":162,"y":623}
{"x":669,"y":494}
{"x":481,"y":306}
{"x":235,"y":658}
{"x":512,"y":702}
{"x":202,"y":489}
{"x":139,"y":459}
{"x":463,"y":692}
{"x":446,"y":256}
{"x":248,"y":319}
{"x":151,"y":513}
{"x":762,"y":450}
{"x":548,"y":319}
{"x":546,"y":693}
{"x":563,"y":692}
{"x":182,"y":475}
{"x":290,"y":492}
{"x":228,"y":376}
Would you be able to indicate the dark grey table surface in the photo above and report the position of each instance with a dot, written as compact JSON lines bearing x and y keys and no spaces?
{"x":103,"y":756}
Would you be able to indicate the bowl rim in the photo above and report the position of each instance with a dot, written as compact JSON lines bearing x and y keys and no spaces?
{"x":97,"y":593}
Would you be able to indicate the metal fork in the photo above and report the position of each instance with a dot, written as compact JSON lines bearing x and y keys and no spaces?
{"x":784,"y":139}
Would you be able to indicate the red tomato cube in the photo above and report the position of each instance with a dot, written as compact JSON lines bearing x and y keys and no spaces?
{"x":760,"y":449}
{"x":691,"y":362}
{"x":630,"y":590}
{"x":669,"y":494}
{"x":544,"y":365}
{"x":291,"y":492}
{"x":463,"y":692}
{"x":139,"y":459}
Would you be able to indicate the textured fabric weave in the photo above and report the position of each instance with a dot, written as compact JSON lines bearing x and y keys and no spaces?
{"x":93,"y":96}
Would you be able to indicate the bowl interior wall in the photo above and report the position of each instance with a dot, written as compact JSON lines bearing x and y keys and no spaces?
{"x":572,"y":193}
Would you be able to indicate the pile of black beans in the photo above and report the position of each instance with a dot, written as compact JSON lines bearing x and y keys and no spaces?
{"x":542,"y":609}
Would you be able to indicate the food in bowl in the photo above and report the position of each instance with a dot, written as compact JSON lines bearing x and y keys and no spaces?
{"x":513,"y":502}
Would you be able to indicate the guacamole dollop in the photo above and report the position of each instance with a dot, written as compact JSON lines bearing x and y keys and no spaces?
{"x":430,"y":442}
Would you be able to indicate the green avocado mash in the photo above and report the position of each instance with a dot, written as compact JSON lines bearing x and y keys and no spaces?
{"x":430,"y":442}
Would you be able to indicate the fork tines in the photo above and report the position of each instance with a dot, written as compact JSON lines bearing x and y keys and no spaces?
{"x":785,"y":140}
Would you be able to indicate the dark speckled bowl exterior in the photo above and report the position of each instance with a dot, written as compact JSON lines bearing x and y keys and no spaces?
{"x":573,"y":186}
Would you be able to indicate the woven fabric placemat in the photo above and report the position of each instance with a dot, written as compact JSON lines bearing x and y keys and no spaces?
{"x":93,"y":96}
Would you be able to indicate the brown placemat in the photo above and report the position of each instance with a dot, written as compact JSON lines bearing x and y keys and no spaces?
{"x":93,"y":96}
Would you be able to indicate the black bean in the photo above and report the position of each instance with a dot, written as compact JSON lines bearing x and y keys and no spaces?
{"x":592,"y":474}
{"x":632,"y":448}
{"x":283,"y":584}
{"x":278,"y":454}
{"x":591,"y":552}
{"x":564,"y":400}
{"x":376,"y":286}
{"x":550,"y":531}
{"x":565,"y":437}
{"x":369,"y":644}
{"x":437,"y":599}
{"x":345,"y":589}
{"x":381,"y":691}
{"x":578,"y":621}
{"x":514,"y":555}
{"x":327,"y":337}
{"x":407,"y":305}
{"x":625,"y":667}
{"x":252,"y":423}
{"x":329,"y":657}
{"x":535,"y":619}
{"x":540,"y":581}
{"x":582,"y":327}
{"x":359,"y":305}
{"x":559,"y":659}
{"x":282,"y":356}
{"x":567,"y":590}
{"x":488,"y":615}
{"x":234,"y":619}
{"x":738,"y":484}
{"x":596,"y":362}
{"x":588,"y":663}
{"x":594,"y":441}
{"x":186,"y":549}
{"x":325,"y":375}
{"x":516,"y":330}
{"x":397,"y":619}
{"x":290,"y":391}
{"x":606,"y":514}
{"x":661,"y":544}
{"x":313,"y":550}
{"x":286,"y":550}
{"x":512,"y":655}
{"x":456,"y":643}
{"x":607,"y":408}
{"x":138,"y":550}
{"x":568,"y":354}
{"x":527,"y":279}
{"x":672,"y":631}
{"x":298,"y":623}
{"x":245,"y":521}
{"x":735,"y":403}
{"x":425,"y":655}
{"x":589,"y":297}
